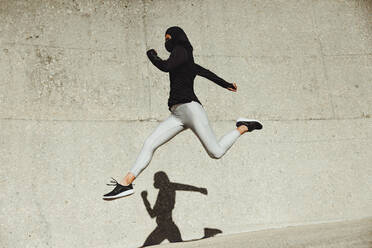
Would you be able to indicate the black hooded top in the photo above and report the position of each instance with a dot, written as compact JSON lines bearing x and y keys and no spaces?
{"x":182,"y":69}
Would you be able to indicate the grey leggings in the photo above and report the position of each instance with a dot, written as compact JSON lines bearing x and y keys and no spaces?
{"x":183,"y":116}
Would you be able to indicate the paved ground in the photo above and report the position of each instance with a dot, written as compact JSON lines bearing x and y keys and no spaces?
{"x":351,"y":234}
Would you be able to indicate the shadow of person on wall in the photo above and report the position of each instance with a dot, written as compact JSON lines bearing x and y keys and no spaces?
{"x":163,"y":208}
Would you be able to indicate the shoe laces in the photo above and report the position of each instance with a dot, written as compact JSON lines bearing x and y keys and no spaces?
{"x":113,"y":182}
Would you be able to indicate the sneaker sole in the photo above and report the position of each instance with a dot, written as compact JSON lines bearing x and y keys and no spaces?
{"x":125,"y":193}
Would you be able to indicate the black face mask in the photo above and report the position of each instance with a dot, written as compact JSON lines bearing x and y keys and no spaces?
{"x":169,"y":45}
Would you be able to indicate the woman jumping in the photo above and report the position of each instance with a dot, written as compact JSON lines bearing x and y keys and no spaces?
{"x":186,"y":110}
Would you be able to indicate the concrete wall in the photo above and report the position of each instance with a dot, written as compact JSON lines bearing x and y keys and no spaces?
{"x":78,"y":97}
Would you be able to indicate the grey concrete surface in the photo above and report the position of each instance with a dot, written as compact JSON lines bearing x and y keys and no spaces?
{"x":356,"y":234}
{"x":78,"y":97}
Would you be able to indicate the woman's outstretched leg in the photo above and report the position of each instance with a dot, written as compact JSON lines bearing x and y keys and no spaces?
{"x":165,"y":131}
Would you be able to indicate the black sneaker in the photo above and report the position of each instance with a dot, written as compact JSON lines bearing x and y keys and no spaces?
{"x":251,"y":124}
{"x":119,"y":190}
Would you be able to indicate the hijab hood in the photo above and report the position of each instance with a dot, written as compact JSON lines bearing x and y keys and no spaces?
{"x":179,"y":37}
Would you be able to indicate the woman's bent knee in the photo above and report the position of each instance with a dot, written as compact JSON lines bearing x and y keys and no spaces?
{"x":215,"y":155}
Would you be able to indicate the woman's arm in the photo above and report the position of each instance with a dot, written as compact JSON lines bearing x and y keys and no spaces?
{"x":201,"y":71}
{"x":177,"y":57}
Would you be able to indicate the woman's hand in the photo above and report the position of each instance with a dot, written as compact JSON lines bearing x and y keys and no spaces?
{"x":151,"y":52}
{"x":233,"y":89}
